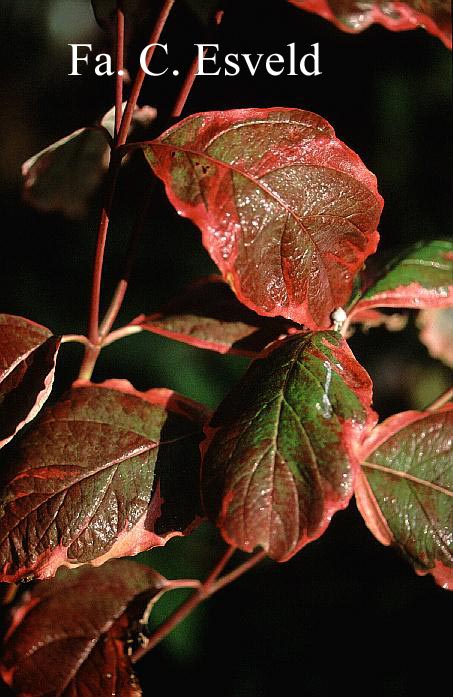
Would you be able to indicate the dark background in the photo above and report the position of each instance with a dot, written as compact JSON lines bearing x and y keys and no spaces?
{"x":345,"y":613}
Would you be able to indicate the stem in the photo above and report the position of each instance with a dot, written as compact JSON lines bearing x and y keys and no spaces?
{"x":191,"y":75}
{"x":123,"y":283}
{"x":139,"y":78}
{"x":442,"y":400}
{"x":119,"y":66}
{"x":206,"y":589}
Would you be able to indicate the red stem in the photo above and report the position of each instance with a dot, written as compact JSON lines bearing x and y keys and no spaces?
{"x":207,"y":588}
{"x":119,"y":66}
{"x":138,"y":82}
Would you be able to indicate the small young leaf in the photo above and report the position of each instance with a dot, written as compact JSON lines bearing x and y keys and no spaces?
{"x":405,"y":492}
{"x":287,"y":211}
{"x":280,"y":460}
{"x":28,"y":352}
{"x":436,"y":332}
{"x":209,"y":315}
{"x":63,"y":177}
{"x":372,"y":318}
{"x":419,"y":277}
{"x":70,"y":635}
{"x":106,"y":472}
{"x":355,"y":16}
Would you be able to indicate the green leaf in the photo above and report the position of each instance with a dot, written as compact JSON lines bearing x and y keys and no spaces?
{"x":28,"y":352}
{"x":287,"y":211}
{"x":73,"y":635}
{"x":405,"y":492}
{"x":280,"y":458}
{"x":106,"y":472}
{"x":420,"y":276}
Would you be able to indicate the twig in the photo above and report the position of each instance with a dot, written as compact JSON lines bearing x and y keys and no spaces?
{"x":444,"y":398}
{"x":119,"y":66}
{"x":207,"y":588}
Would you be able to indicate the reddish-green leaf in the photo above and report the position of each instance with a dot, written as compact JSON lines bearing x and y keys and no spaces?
{"x":419,"y":277}
{"x":209,"y":315}
{"x":355,"y":16}
{"x":64,"y":176}
{"x":70,"y":636}
{"x":279,"y":461}
{"x":287,"y":211}
{"x":28,"y":352}
{"x":405,"y":491}
{"x":106,"y":472}
{"x":436,"y":332}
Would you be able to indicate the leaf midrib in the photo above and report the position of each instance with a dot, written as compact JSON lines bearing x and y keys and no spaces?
{"x":408,"y":476}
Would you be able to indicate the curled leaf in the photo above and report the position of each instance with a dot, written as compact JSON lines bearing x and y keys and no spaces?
{"x":279,"y":458}
{"x":28,"y":352}
{"x":355,"y":16}
{"x":421,"y":276}
{"x":64,"y":176}
{"x":405,"y":492}
{"x":287,"y":211}
{"x":208,"y":315}
{"x":106,"y":472}
{"x":73,"y":635}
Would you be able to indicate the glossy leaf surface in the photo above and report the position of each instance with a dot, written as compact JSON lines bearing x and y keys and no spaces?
{"x":64,"y":176}
{"x":69,"y":636}
{"x":106,"y":472}
{"x":287,"y":211}
{"x":355,"y":16}
{"x":279,"y":461}
{"x":405,"y":493}
{"x":419,"y":277}
{"x":208,"y":315}
{"x":28,"y":353}
{"x":436,"y":332}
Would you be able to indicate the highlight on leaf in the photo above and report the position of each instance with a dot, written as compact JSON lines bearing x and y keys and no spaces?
{"x":75,"y":634}
{"x":421,"y":276}
{"x":106,"y":472}
{"x":64,"y":176}
{"x":287,"y":211}
{"x":208,"y":315}
{"x":405,"y":489}
{"x":28,"y":352}
{"x":355,"y":16}
{"x":279,"y":459}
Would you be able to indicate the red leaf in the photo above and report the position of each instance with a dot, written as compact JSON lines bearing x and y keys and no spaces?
{"x":28,"y":352}
{"x":355,"y":16}
{"x":106,"y":472}
{"x":406,"y":488}
{"x":279,"y":460}
{"x":209,"y":316}
{"x":70,"y":636}
{"x":287,"y":211}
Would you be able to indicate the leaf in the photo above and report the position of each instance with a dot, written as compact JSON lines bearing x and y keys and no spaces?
{"x":370,"y":319}
{"x":420,"y":276}
{"x":288,"y":212}
{"x":70,"y":635}
{"x":355,"y":16}
{"x":209,"y":316}
{"x":406,"y":489}
{"x":436,"y":332}
{"x":279,"y":460}
{"x":106,"y":472}
{"x":64,"y":176}
{"x":28,"y":352}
